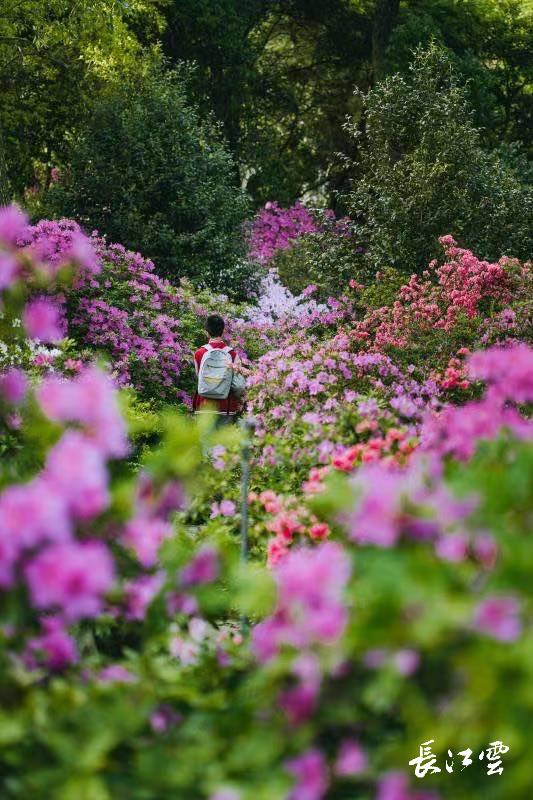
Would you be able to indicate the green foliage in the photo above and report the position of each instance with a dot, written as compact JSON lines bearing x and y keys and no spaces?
{"x":490,"y":44}
{"x":55,"y":57}
{"x":147,"y":171}
{"x":324,"y":259}
{"x":421,"y":170}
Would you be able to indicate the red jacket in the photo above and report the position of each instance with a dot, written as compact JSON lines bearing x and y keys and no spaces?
{"x":222,"y":405}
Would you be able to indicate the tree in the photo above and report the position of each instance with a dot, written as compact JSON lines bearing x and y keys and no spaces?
{"x":422,"y":172}
{"x":385,"y":17}
{"x":55,"y":56}
{"x":490,"y":45}
{"x":279,"y":74}
{"x":148,"y":171}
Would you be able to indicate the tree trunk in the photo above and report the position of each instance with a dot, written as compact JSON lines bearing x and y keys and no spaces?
{"x":384,"y":20}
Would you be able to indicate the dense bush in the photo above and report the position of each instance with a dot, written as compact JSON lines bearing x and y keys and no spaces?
{"x":145,"y":327}
{"x":151,"y":174}
{"x":323,"y":259}
{"x":421,"y":170}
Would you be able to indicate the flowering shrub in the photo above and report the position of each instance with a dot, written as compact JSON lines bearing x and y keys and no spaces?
{"x":121,"y":308}
{"x":275,"y":228}
{"x":395,"y":609}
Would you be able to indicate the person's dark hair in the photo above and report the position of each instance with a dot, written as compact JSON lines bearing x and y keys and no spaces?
{"x":215,"y":325}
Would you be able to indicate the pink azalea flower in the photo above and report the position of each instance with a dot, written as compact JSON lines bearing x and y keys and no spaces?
{"x":8,"y":269}
{"x":309,"y":608}
{"x":452,"y":547}
{"x":145,"y":537}
{"x":54,"y":644}
{"x":13,"y":386}
{"x":406,"y":661}
{"x":72,"y":577}
{"x":299,"y":702}
{"x":75,"y":468}
{"x":116,"y":673}
{"x":226,"y":508}
{"x":42,"y":320}
{"x":351,"y":759}
{"x":203,"y":568}
{"x":139,"y":593}
{"x":13,"y":222}
{"x":184,"y":650}
{"x":311,"y":776}
{"x":31,"y":514}
{"x":90,"y":399}
{"x":498,"y":616}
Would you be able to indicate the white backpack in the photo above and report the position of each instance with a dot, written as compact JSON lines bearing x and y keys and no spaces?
{"x":216,"y":373}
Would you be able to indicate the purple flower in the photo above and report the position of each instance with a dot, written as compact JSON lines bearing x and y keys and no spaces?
{"x":13,"y":386}
{"x":8,"y":269}
{"x":42,"y":320}
{"x":139,"y":593}
{"x":57,"y":648}
{"x":145,"y":536}
{"x":452,"y":547}
{"x":163,"y":718}
{"x":72,"y":577}
{"x":376,"y":519}
{"x":116,"y":673}
{"x":13,"y":222}
{"x":498,"y":616}
{"x":309,"y":609}
{"x":203,"y":568}
{"x":31,"y":514}
{"x":311,"y":776}
{"x":76,"y":469}
{"x":90,"y":399}
{"x":406,"y":661}
{"x":351,"y":759}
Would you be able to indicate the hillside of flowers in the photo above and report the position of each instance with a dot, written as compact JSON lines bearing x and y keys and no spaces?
{"x":386,"y":599}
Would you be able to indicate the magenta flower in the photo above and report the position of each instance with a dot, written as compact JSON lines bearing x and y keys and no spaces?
{"x":498,"y":616}
{"x":42,"y":320}
{"x":116,"y":673}
{"x":203,"y":568}
{"x":31,"y":514}
{"x":310,"y":772}
{"x":351,"y":759}
{"x":54,"y":646}
{"x":90,"y":399}
{"x":406,"y":661}
{"x":163,"y":718}
{"x":145,"y":537}
{"x":76,"y":469}
{"x":377,"y":517}
{"x":452,"y":547}
{"x":395,"y":786}
{"x":508,"y":369}
{"x":139,"y":593}
{"x":226,"y":508}
{"x":13,"y":222}
{"x":8,"y":269}
{"x":71,"y":577}
{"x":299,"y":702}
{"x":13,"y":386}
{"x":309,"y":610}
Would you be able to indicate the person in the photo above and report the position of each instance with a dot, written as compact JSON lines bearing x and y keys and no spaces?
{"x":228,"y":407}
